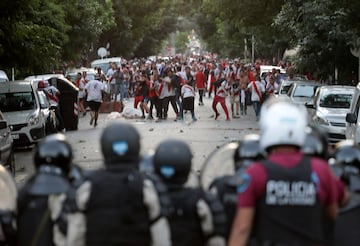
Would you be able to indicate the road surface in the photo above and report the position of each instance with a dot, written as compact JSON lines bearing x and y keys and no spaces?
{"x":204,"y":136}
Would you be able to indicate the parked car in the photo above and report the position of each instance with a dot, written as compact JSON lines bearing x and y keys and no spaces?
{"x":283,"y":88}
{"x":72,"y":74}
{"x":329,"y":108}
{"x":264,"y":69}
{"x":302,"y":91}
{"x":3,"y":77}
{"x":6,"y":146}
{"x":105,"y":63}
{"x":20,"y":104}
{"x":352,"y":118}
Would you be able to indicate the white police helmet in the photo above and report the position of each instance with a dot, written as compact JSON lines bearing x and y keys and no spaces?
{"x":282,"y":123}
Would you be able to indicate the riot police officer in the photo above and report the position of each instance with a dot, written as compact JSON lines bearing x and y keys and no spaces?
{"x":119,"y":205}
{"x":7,"y":208}
{"x":347,"y":167}
{"x":36,"y":219}
{"x":316,"y":143}
{"x":286,"y":198}
{"x":198,"y":217}
{"x":225,"y":187}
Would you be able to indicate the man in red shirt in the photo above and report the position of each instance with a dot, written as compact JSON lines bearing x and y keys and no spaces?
{"x":289,"y":198}
{"x":200,"y":84}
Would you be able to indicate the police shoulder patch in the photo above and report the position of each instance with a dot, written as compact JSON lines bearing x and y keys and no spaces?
{"x":243,"y":182}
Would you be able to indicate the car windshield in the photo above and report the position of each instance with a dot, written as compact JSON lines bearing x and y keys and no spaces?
{"x":285,"y":89}
{"x":332,"y":100}
{"x":304,"y":91}
{"x":18,"y":101}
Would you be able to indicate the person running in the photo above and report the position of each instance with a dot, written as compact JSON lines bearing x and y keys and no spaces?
{"x":94,"y":90}
{"x":220,"y":97}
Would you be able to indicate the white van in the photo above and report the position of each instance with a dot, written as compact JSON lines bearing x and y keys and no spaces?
{"x":104,"y":64}
{"x":352,"y":118}
{"x":264,"y":69}
{"x":19,"y":102}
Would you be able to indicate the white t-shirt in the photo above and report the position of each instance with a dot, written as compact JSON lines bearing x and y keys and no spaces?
{"x":223,"y":89}
{"x":254,"y":94}
{"x":187,"y":91}
{"x":82,"y":84}
{"x":94,"y":89}
{"x":51,"y":92}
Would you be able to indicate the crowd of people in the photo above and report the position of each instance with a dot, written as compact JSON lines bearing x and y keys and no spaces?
{"x":177,"y":82}
{"x":283,"y":192}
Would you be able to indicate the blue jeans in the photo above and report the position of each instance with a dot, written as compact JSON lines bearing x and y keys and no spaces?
{"x":119,"y":89}
{"x":256,"y":105}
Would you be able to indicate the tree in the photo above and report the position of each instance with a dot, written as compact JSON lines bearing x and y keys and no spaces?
{"x":225,"y":24}
{"x":323,"y":31}
{"x":32,"y":35}
{"x":87,"y":19}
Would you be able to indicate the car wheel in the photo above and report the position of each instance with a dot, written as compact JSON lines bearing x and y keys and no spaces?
{"x":10,"y":164}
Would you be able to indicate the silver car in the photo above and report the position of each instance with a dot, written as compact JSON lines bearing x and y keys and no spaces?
{"x":301,"y":92}
{"x":329,"y":108}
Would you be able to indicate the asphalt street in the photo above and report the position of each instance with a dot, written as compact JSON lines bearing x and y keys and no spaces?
{"x":204,"y":136}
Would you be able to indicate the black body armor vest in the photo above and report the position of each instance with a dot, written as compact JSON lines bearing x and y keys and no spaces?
{"x":289,"y":212}
{"x":116,"y":213}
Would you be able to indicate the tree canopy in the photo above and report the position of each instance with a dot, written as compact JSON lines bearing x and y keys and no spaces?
{"x":39,"y":36}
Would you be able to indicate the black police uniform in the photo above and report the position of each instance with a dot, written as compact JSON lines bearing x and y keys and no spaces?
{"x":347,"y":166}
{"x":290,"y":202}
{"x":226,"y":191}
{"x":36,"y":221}
{"x":35,"y":226}
{"x":117,"y":193}
{"x":119,"y":205}
{"x":186,"y":218}
{"x":7,"y":208}
{"x":225,"y":187}
{"x":198,"y":217}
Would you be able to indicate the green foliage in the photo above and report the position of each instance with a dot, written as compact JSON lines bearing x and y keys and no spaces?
{"x":140,"y":27}
{"x":88,"y":19}
{"x":225,"y":24}
{"x":33,"y":33}
{"x":324,"y":32}
{"x":38,"y":36}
